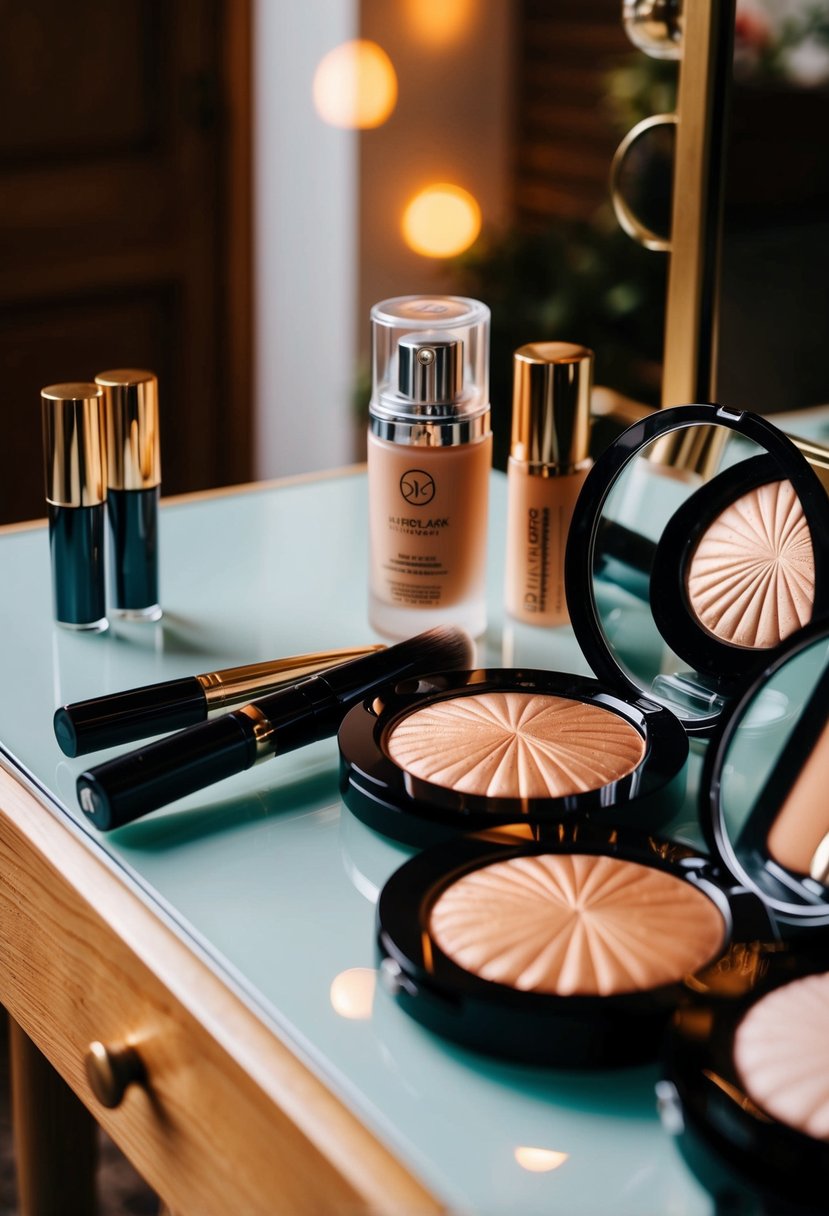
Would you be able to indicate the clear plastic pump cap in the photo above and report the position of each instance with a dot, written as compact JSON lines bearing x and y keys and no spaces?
{"x":430,"y":369}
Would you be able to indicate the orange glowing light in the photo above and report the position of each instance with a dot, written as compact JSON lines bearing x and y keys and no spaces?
{"x":441,"y":220}
{"x":352,"y":993}
{"x":439,"y":23}
{"x":355,"y":85}
{"x":539,"y":1160}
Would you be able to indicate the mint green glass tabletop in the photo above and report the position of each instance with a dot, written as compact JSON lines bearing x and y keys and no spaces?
{"x":269,"y":875}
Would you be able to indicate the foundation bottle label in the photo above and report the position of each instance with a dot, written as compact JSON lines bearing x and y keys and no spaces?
{"x":428,"y":512}
{"x":539,"y":511}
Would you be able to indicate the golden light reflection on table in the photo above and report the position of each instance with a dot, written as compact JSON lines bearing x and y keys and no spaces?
{"x":352,"y":993}
{"x":539,"y":1160}
{"x":355,"y":85}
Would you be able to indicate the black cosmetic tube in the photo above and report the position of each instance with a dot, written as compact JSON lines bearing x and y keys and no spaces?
{"x":133,"y":489}
{"x":76,"y":547}
{"x":73,"y":450}
{"x":133,"y":528}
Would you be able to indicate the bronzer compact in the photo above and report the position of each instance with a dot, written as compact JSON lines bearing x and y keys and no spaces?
{"x":574,"y":944}
{"x":465,"y":751}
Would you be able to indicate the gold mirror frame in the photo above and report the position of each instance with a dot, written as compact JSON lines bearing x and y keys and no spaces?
{"x":703,"y":95}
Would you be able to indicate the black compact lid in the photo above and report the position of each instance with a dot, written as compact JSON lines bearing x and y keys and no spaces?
{"x":639,"y":518}
{"x":408,"y":808}
{"x":572,"y":1031}
{"x":764,"y":790}
{"x":737,"y":1149}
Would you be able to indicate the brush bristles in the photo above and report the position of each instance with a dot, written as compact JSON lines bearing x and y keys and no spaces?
{"x":444,"y":647}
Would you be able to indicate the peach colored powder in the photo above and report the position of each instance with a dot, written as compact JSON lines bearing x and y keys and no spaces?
{"x":516,"y":745}
{"x":751,"y":579}
{"x":802,"y":823}
{"x":781,"y":1050}
{"x":576,"y":924}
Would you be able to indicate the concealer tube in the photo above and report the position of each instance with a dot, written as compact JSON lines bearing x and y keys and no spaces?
{"x":133,"y":489}
{"x":73,"y":455}
{"x":548,"y":463}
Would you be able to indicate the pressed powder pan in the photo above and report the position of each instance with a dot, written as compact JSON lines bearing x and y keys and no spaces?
{"x":745,"y":578}
{"x":462,"y":751}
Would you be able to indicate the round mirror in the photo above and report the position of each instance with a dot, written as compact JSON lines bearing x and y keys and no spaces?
{"x":697,"y":549}
{"x":641,"y":177}
{"x":767,"y":779}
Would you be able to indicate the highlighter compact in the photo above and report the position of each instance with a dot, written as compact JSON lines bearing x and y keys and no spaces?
{"x":698,"y":546}
{"x":744,"y":1068}
{"x":746,"y":1098}
{"x":465,"y":751}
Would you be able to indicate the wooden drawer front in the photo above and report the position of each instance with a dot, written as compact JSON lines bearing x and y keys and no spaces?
{"x":229,"y":1121}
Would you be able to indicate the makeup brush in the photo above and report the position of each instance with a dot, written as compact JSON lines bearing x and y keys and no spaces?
{"x":157,"y":709}
{"x":124,"y":789}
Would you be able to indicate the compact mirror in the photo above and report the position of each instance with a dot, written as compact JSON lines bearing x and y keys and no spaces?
{"x":697,"y":548}
{"x":767,"y":784}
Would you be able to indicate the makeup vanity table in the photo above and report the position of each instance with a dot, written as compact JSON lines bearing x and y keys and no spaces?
{"x":228,"y":938}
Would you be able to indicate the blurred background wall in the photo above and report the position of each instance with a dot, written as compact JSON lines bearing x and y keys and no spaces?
{"x":220,"y":189}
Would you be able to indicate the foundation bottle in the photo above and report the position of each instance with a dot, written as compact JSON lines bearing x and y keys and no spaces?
{"x":548,"y":463}
{"x":429,"y":458}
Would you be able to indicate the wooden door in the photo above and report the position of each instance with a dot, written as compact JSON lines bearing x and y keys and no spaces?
{"x":124,"y":229}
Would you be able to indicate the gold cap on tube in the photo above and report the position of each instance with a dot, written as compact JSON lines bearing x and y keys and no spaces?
{"x":74,"y":457}
{"x":552,"y":383}
{"x":133,"y":447}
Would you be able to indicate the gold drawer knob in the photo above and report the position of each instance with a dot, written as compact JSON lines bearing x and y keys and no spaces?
{"x":111,"y":1070}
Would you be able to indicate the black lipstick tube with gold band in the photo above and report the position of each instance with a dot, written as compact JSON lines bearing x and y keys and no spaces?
{"x":74,"y":460}
{"x":133,"y":489}
{"x":153,"y":709}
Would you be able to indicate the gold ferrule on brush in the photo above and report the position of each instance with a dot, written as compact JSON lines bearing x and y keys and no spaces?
{"x":551,"y":388}
{"x":235,"y":684}
{"x":264,"y":732}
{"x":133,"y":447}
{"x":73,"y":444}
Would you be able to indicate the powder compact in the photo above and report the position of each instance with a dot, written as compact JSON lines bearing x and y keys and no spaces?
{"x":745,"y":1066}
{"x":573,"y":944}
{"x":745,"y":1088}
{"x":466,"y":751}
{"x":697,"y":547}
{"x":463,"y":751}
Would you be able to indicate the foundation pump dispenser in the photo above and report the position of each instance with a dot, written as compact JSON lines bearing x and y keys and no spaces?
{"x":549,"y":460}
{"x":429,"y":457}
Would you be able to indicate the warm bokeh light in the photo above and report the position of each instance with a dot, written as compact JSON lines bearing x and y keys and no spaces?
{"x":439,"y":23}
{"x":355,"y":85}
{"x":441,"y":221}
{"x":539,"y":1160}
{"x":352,"y":993}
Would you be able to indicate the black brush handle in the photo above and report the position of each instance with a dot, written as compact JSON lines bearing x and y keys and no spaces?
{"x":123,"y":717}
{"x":124,"y":789}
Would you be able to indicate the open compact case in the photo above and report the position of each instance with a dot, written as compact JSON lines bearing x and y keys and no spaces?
{"x":662,"y":623}
{"x":574,"y":945}
{"x":747,"y":1057}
